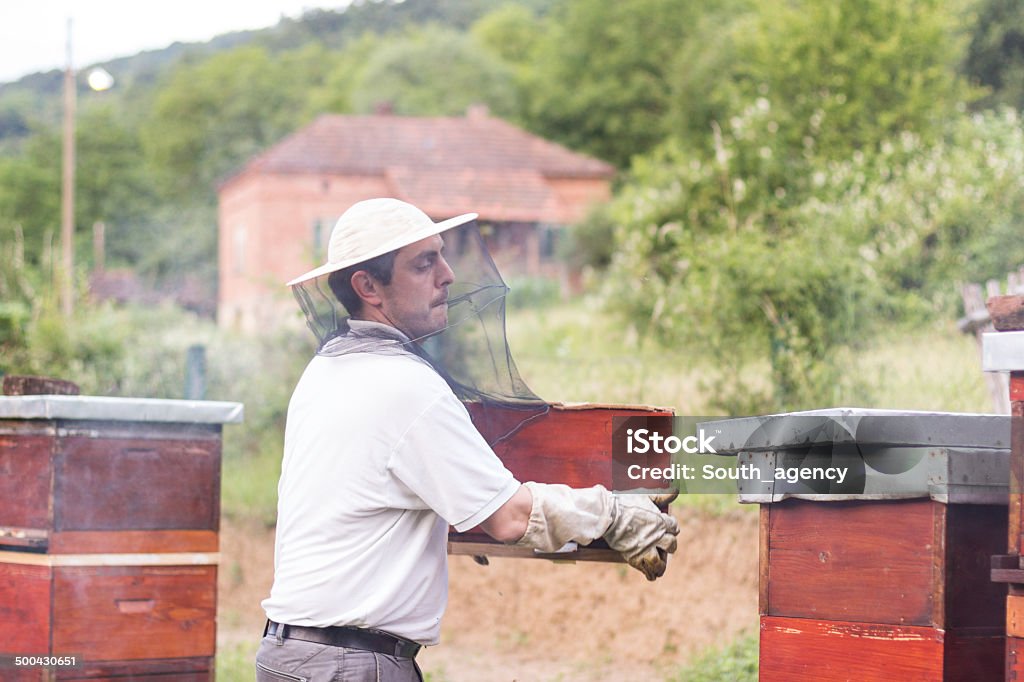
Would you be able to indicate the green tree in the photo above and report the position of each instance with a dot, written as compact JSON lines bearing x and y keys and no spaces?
{"x":511,"y":32}
{"x":113,"y":183}
{"x":334,"y":93}
{"x":30,"y":195}
{"x":927,"y":216}
{"x":995,"y":54}
{"x":840,"y":75}
{"x":599,"y":74}
{"x":724,"y":234}
{"x":433,"y":71}
{"x":213,"y":115}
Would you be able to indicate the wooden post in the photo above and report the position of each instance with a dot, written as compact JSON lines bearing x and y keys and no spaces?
{"x":978,"y":321}
{"x":99,"y":246}
{"x":67,"y":201}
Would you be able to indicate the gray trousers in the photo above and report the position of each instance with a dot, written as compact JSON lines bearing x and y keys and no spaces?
{"x":292,"y":660}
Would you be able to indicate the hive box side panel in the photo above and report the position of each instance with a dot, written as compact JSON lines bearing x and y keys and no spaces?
{"x":157,"y":611}
{"x":852,"y":561}
{"x":25,"y":613}
{"x":571,"y":446}
{"x":157,"y":670}
{"x":1016,"y":524}
{"x":973,"y":657}
{"x":25,"y":478}
{"x":113,"y":484}
{"x":160,"y":670}
{"x":797,"y":649}
{"x":763,"y":567}
{"x":1014,"y":658}
{"x":974,"y":534}
{"x":552,"y":445}
{"x":133,"y":541}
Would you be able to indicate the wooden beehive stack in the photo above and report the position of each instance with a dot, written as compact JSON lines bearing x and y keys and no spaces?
{"x":1003,"y":351}
{"x":109,"y":535}
{"x":888,"y":580}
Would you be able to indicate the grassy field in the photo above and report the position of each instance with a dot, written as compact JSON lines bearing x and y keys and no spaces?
{"x":576,"y":353}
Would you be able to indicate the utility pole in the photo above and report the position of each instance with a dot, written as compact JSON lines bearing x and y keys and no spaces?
{"x":67,"y":199}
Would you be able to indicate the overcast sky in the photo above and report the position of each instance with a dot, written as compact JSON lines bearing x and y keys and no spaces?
{"x":33,"y":33}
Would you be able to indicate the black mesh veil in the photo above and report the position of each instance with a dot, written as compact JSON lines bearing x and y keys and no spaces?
{"x":471,"y":352}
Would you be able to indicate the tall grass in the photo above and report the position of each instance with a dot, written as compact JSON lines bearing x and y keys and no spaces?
{"x":574,"y":352}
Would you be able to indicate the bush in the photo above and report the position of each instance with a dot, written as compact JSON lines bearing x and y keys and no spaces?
{"x":923,"y":218}
{"x":711,"y":258}
{"x":532,"y":292}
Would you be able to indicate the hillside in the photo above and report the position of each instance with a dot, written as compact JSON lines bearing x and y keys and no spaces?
{"x":34,"y":101}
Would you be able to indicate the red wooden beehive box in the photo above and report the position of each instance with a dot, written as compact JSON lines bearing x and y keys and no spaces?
{"x":557,"y":443}
{"x":886,"y":578}
{"x":109,"y":535}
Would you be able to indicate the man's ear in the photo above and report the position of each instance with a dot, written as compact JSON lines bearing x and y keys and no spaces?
{"x":366,"y":288}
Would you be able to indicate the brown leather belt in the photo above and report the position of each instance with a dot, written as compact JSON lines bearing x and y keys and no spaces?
{"x":349,"y":637}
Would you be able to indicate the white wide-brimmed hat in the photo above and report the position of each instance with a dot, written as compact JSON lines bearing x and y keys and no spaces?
{"x":374,"y":227}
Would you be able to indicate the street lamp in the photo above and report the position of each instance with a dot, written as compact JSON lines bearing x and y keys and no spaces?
{"x":98,"y":79}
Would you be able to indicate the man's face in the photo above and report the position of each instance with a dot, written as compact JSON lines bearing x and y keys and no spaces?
{"x":416,"y":300}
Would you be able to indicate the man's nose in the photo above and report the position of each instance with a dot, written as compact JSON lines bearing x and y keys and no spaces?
{"x":446,"y":275}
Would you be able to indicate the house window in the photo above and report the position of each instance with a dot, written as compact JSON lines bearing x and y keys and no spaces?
{"x":548,"y":240}
{"x":239,"y":255}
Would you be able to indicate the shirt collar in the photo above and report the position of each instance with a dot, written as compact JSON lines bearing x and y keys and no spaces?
{"x":369,"y":325}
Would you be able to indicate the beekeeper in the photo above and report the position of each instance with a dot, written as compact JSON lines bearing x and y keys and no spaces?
{"x":380,"y":457}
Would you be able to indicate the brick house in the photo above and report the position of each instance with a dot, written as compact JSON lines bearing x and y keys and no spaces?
{"x":276,"y":213}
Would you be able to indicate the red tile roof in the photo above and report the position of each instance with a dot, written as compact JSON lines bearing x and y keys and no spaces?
{"x":444,"y":165}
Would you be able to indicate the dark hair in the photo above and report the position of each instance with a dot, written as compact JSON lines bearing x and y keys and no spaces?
{"x":340,"y":282}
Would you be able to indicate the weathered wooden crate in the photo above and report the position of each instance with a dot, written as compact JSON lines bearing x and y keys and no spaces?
{"x":110,"y":613}
{"x":562,"y":443}
{"x":109,"y":533}
{"x":889,"y":580}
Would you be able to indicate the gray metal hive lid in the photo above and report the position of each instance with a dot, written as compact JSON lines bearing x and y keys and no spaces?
{"x":887,"y":454}
{"x":1002,"y":351}
{"x":859,"y":425}
{"x":947,"y":475}
{"x":98,"y":408}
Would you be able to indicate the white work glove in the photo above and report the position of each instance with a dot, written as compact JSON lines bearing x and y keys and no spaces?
{"x":561,"y":514}
{"x":631,"y":524}
{"x":642,"y":534}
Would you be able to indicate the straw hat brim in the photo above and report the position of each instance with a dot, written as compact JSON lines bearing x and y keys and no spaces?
{"x":397,"y":243}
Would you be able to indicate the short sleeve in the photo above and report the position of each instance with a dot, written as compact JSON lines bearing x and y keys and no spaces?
{"x":444,"y":460}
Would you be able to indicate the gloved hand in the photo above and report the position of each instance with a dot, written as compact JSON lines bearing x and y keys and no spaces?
{"x":664,"y":500}
{"x":561,"y":514}
{"x":631,"y":524}
{"x":642,"y":534}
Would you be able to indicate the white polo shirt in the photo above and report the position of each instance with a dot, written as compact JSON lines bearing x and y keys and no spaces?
{"x":379,"y":458}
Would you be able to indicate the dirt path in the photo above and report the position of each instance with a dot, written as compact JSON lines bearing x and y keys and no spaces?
{"x":536,"y":620}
